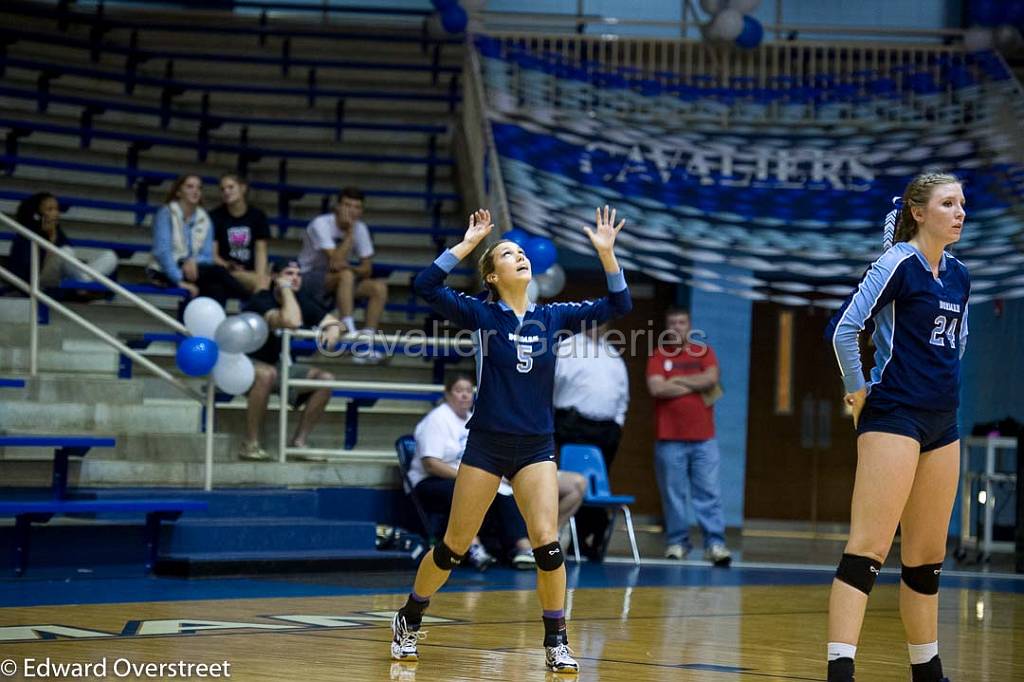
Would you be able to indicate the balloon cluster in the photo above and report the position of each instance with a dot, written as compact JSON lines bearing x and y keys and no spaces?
{"x":731,"y":22}
{"x":453,"y":15}
{"x":219,"y":344}
{"x":542,"y":254}
{"x":994,"y":24}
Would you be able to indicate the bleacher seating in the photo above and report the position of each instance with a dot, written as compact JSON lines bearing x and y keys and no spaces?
{"x":304,"y":111}
{"x":27,"y":512}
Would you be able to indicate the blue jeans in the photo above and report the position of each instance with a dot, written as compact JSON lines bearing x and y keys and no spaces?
{"x":686,"y":467}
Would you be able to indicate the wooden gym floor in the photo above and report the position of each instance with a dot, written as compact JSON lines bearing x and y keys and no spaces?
{"x":662,"y":621}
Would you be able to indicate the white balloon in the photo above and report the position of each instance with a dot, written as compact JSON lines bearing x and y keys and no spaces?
{"x":978,"y":38}
{"x":233,"y":373}
{"x":744,"y":6}
{"x":712,"y":7}
{"x":532,"y":291}
{"x":727,"y":25}
{"x":202,"y":317}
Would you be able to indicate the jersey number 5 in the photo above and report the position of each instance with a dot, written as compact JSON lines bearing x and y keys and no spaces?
{"x":523,"y":351}
{"x":941,"y":330}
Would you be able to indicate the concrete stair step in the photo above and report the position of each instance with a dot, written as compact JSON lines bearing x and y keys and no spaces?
{"x":354,"y":471}
{"x":16,"y":359}
{"x":101,"y":418}
{"x":52,"y":388}
{"x":363,"y":468}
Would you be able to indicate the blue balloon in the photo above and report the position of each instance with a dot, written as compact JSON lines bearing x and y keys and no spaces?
{"x":197,"y":355}
{"x":454,"y":19}
{"x":752,"y":33}
{"x":542,"y":253}
{"x":518,"y":236}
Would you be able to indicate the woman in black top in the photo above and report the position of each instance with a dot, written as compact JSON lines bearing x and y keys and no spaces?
{"x":240,"y":234}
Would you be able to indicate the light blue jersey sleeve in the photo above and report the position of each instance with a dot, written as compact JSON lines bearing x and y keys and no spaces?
{"x":877,"y":289}
{"x":963,"y":329}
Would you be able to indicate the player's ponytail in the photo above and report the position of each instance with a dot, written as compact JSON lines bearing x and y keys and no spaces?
{"x":890,"y":222}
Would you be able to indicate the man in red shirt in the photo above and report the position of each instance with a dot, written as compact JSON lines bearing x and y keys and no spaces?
{"x":682,"y":377}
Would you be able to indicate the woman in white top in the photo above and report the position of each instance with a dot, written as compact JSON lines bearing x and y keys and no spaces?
{"x":440,"y":441}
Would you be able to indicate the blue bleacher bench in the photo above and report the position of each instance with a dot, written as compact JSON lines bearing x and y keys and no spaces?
{"x":12,"y":383}
{"x":27,"y":512}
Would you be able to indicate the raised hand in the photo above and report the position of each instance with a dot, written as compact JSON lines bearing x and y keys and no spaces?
{"x":479,"y":227}
{"x":603,"y":236}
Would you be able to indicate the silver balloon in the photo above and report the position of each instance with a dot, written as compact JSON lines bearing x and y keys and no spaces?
{"x":260,"y":331}
{"x":233,"y":335}
{"x":532,"y":291}
{"x":551,"y":282}
{"x":712,"y":7}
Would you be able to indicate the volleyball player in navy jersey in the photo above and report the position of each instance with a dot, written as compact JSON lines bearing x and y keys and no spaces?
{"x":511,"y":431}
{"x":908,"y":449}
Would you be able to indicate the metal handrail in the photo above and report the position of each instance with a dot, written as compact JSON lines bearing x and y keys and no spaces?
{"x":692,"y":22}
{"x":286,"y":384}
{"x":37,"y":295}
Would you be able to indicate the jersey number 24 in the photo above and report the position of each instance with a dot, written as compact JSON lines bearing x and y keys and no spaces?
{"x":943,"y":332}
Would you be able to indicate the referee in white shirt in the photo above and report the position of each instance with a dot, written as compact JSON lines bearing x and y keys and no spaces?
{"x":591,"y":399}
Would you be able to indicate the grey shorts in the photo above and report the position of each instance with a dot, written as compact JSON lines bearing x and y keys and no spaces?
{"x":296,"y":396}
{"x":314,"y":282}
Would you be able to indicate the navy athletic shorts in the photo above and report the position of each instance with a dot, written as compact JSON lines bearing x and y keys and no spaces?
{"x":504,"y":454}
{"x":931,"y":428}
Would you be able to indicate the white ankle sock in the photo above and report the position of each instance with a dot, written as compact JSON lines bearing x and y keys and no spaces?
{"x":840,"y":650}
{"x":349,"y":323}
{"x":922,"y":653}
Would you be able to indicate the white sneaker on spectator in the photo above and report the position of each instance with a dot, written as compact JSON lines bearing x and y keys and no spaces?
{"x":719,"y":555}
{"x":364,"y":353}
{"x":676,"y":552}
{"x":523,"y":560}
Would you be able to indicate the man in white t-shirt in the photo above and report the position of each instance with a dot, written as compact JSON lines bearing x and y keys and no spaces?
{"x":440,"y":441}
{"x":330,"y":244}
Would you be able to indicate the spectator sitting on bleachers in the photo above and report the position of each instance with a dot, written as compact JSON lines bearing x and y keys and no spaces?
{"x":240,"y":234}
{"x":286,"y":305}
{"x":440,"y":441}
{"x":183,"y":246}
{"x":328,"y":245}
{"x":41,"y":214}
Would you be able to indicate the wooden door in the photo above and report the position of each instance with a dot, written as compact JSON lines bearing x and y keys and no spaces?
{"x":801,"y":448}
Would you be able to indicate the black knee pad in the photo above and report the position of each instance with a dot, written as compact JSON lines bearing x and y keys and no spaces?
{"x":445,"y":558}
{"x":549,"y":557}
{"x":922,"y":579}
{"x":859,"y":572}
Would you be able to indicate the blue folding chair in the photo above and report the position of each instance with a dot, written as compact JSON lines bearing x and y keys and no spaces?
{"x":588,"y":461}
{"x":405,"y":448}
